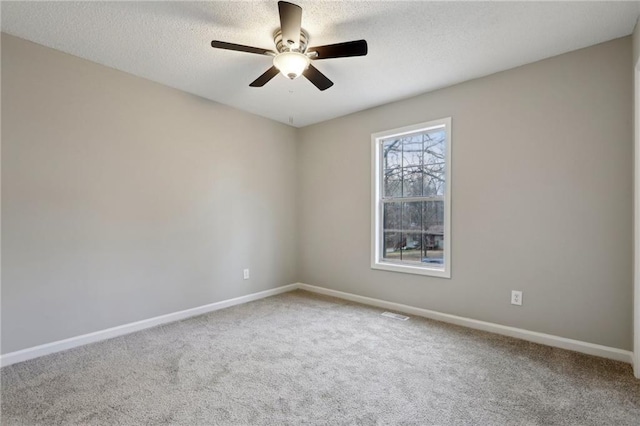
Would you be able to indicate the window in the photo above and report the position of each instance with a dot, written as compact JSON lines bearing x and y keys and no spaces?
{"x":411,"y":199}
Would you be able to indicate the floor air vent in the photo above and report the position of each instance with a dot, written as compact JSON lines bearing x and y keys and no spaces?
{"x":395,"y":316}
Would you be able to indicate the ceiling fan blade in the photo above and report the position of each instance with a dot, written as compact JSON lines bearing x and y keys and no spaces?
{"x":341,"y":50}
{"x":240,"y":48}
{"x":317,"y":78}
{"x":265,"y":78}
{"x":290,"y":23}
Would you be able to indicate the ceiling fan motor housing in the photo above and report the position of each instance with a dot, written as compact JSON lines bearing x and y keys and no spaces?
{"x":286,"y":46}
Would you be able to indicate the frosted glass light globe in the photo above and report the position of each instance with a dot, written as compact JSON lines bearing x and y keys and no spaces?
{"x":291,"y":64}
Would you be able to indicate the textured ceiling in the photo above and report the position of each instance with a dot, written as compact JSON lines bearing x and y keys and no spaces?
{"x":414,"y":47}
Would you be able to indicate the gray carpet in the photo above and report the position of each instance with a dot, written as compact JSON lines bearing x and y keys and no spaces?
{"x":298,"y":358}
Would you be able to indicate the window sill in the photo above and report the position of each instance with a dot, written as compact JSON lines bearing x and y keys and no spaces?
{"x":408,"y":269}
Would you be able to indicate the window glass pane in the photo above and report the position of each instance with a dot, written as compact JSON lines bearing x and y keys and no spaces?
{"x":412,"y":247}
{"x":412,"y":216}
{"x":433,"y":213}
{"x":392,"y":216}
{"x":392,"y":220}
{"x":412,"y":166}
{"x":392,"y":246}
{"x":433,"y":225}
{"x":434,"y":163}
{"x":392,"y":168}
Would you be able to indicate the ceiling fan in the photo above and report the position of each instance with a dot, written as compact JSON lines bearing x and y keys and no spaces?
{"x":292,"y":57}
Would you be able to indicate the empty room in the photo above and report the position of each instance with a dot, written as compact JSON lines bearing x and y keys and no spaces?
{"x":320,"y":212}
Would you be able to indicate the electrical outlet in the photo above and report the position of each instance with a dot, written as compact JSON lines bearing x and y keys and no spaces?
{"x":516,"y":297}
{"x":246,"y":274}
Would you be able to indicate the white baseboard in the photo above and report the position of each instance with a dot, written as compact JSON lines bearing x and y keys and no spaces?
{"x":531,"y":336}
{"x":62,"y":345}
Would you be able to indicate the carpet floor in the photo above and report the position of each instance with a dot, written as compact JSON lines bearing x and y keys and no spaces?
{"x":300,"y":358}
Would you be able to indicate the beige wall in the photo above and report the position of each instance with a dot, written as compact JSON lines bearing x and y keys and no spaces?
{"x":542,"y":184}
{"x":636,"y":197}
{"x":123,"y":199}
{"x":636,"y":43}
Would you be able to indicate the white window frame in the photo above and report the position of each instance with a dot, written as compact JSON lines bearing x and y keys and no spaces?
{"x":377,"y":262}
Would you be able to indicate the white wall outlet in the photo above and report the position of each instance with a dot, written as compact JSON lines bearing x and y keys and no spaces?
{"x":245,"y":274}
{"x":516,"y":297}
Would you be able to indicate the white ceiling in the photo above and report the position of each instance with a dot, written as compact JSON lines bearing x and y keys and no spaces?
{"x":414,"y":47}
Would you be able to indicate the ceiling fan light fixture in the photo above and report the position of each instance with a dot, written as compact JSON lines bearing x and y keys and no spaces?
{"x":292,"y":58}
{"x":291,"y":64}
